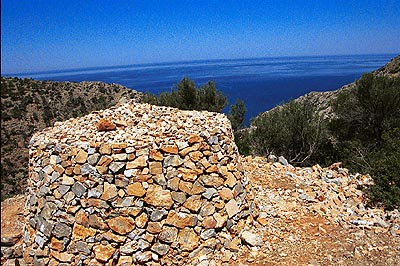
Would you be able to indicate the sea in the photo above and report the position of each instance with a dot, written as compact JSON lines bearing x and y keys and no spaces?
{"x":262,"y":83}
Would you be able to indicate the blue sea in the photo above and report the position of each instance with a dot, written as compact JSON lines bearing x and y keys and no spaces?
{"x":262,"y":83}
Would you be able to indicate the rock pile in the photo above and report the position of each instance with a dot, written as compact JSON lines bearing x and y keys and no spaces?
{"x":134,"y":184}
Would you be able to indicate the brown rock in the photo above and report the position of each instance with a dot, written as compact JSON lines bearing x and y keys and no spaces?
{"x":155,"y":168}
{"x":56,"y":244}
{"x":173,"y":183}
{"x":230,"y":180}
{"x":185,"y":187}
{"x":188,"y":240}
{"x":159,"y":198}
{"x":173,"y":149}
{"x":195,"y":156}
{"x":121,"y":225}
{"x":125,"y":261}
{"x":103,"y":252}
{"x":180,"y":219}
{"x":110,"y":191}
{"x":193,"y":203}
{"x":154,"y":227}
{"x":168,"y":234}
{"x":231,"y":208}
{"x":105,"y":160}
{"x":63,"y":256}
{"x":141,"y":220}
{"x":194,"y":138}
{"x":105,"y":149}
{"x":136,"y":189}
{"x":139,"y":162}
{"x":220,"y":220}
{"x":81,"y":232}
{"x":225,"y":194}
{"x":209,"y":222}
{"x":82,"y":218}
{"x":97,"y":222}
{"x":81,"y":157}
{"x":105,"y":125}
{"x":156,"y":155}
{"x":110,"y":236}
{"x":188,"y":174}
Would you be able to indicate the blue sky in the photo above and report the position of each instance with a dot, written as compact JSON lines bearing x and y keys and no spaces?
{"x":56,"y":34}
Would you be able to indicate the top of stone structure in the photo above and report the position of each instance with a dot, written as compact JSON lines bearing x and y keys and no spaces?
{"x":135,"y":124}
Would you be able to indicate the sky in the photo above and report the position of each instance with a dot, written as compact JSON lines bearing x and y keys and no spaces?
{"x":42,"y":35}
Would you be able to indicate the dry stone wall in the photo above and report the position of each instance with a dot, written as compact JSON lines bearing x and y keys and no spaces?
{"x":133,"y":184}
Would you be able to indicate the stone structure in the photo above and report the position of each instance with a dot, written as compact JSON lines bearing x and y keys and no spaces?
{"x":133,"y":184}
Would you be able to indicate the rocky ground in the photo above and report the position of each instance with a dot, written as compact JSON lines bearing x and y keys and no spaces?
{"x":306,"y":216}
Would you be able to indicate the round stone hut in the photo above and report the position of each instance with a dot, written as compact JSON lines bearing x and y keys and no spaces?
{"x":134,"y":184}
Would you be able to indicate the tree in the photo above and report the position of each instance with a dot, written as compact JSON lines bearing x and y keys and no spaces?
{"x":236,"y":114}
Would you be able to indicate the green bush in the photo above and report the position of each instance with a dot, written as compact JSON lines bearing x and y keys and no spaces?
{"x":186,"y":96}
{"x":294,"y":130}
{"x":236,"y":114}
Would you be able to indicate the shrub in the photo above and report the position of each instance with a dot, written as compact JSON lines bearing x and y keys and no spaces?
{"x":294,"y":130}
{"x":236,"y":114}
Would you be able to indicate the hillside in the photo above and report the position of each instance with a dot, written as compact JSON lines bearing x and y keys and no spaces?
{"x":29,"y":105}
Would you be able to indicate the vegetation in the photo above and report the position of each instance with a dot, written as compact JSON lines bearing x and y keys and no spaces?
{"x":364,"y":135}
{"x":186,"y":96}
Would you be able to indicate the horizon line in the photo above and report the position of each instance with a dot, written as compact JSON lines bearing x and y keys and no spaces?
{"x":163,"y":63}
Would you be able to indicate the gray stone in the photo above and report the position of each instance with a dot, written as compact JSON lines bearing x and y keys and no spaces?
{"x":157,"y":214}
{"x":282,"y":160}
{"x":213,"y":140}
{"x":251,"y":238}
{"x":160,"y":179}
{"x":207,"y":209}
{"x":48,"y":209}
{"x":209,"y":193}
{"x":116,"y":166}
{"x":46,"y":228}
{"x":87,"y":169}
{"x":62,"y":189}
{"x":121,"y":181}
{"x":143,"y":244}
{"x":143,"y":257}
{"x":129,"y":248}
{"x":41,"y":240}
{"x":272,"y":158}
{"x":208,"y":233}
{"x":160,"y":249}
{"x":168,"y":234}
{"x":95,"y":192}
{"x":172,"y":160}
{"x":82,"y":247}
{"x":79,"y":189}
{"x":179,"y":197}
{"x":61,"y":230}
{"x":93,"y":159}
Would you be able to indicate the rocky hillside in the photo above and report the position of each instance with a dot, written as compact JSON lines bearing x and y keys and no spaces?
{"x":28,"y":105}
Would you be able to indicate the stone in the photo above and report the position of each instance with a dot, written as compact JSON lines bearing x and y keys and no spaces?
{"x":225,"y":194}
{"x":209,"y":222}
{"x":79,"y":189}
{"x":82,"y":247}
{"x":136,"y":189}
{"x":80,"y":232}
{"x":179,"y":197}
{"x":141,"y":220}
{"x":212,"y":180}
{"x":109,"y":191}
{"x":87,"y":169}
{"x":155,"y":168}
{"x":180,"y":219}
{"x":209,"y":193}
{"x":168,"y":234}
{"x":154,"y":227}
{"x":97,"y":222}
{"x":173,"y":149}
{"x":193,"y":203}
{"x":159,"y":198}
{"x":125,"y":261}
{"x":103,"y":253}
{"x":81,"y":157}
{"x":116,"y":166}
{"x":129,"y":247}
{"x":157,"y":214}
{"x":105,"y":125}
{"x":194,"y":138}
{"x":139,"y":162}
{"x":160,"y":249}
{"x":208,"y":233}
{"x":121,"y":225}
{"x":173,"y":183}
{"x":230,"y":180}
{"x":56,"y":244}
{"x":185,"y":187}
{"x":231,"y":208}
{"x":61,"y":230}
{"x":156,"y":155}
{"x":207,"y":209}
{"x":63,"y":256}
{"x":220,"y":220}
{"x":283,"y":161}
{"x":251,"y":238}
{"x":142,"y":257}
{"x":188,"y":240}
{"x":93,"y":159}
{"x":172,"y":160}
